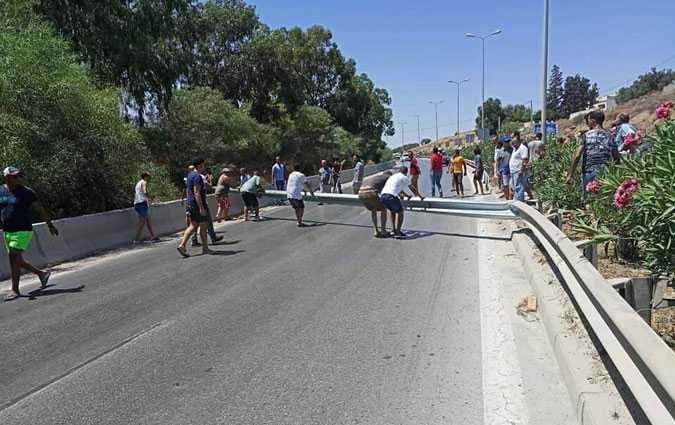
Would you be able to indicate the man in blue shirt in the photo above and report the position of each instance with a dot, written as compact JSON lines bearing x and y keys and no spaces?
{"x":17,"y":203}
{"x":196,"y":209}
{"x":623,"y":129}
{"x":597,"y":150}
{"x":279,"y":174}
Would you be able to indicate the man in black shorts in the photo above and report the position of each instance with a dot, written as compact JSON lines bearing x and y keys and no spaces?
{"x":296,"y":183}
{"x":369,"y":194}
{"x":197,"y":211}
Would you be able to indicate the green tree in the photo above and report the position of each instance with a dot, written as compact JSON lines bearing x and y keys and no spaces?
{"x":646,"y":83}
{"x":142,"y":46}
{"x":493,"y":113}
{"x":578,"y":94}
{"x":201,"y":123}
{"x":555,"y":94}
{"x":63,"y":131}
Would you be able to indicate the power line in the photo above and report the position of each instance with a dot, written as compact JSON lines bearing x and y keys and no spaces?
{"x":630,"y":80}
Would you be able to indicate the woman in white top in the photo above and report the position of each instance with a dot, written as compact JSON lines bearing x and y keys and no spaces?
{"x":142,"y":207}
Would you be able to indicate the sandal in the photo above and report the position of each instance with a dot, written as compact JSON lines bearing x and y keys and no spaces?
{"x":44,"y":279}
{"x":11,"y":296}
{"x":182,"y":251}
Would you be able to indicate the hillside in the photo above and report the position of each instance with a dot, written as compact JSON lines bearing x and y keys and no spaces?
{"x":640,"y":110}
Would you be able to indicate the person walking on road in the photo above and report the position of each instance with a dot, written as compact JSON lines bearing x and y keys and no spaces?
{"x":369,"y":194}
{"x":223,"y":195}
{"x":197,"y":212}
{"x":436,"y":172}
{"x":414,"y":170}
{"x":279,"y":174}
{"x":297,"y":181}
{"x":518,"y":168}
{"x":337,"y":170}
{"x":392,"y":191}
{"x":250,"y":191}
{"x":597,"y":149}
{"x":17,"y":204}
{"x":479,"y":170}
{"x":142,"y":207}
{"x":536,"y":149}
{"x":243,"y":176}
{"x":458,"y":166}
{"x":502,"y":165}
{"x":359,"y":170}
{"x":325,"y":176}
{"x":208,"y":180}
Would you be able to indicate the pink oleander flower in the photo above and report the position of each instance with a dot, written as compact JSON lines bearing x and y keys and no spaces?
{"x":662,"y":112}
{"x":632,"y":140}
{"x":664,"y":109}
{"x":624,"y":193}
{"x":593,"y":186}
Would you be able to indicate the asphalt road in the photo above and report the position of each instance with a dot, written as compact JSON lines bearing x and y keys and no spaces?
{"x":285,"y":325}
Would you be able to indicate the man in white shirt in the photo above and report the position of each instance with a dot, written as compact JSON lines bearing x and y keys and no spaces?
{"x":518,"y":167}
{"x":391,"y":197}
{"x":536,"y":150}
{"x":296,"y":183}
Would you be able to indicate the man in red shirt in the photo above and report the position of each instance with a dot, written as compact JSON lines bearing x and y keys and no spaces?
{"x":414,"y":170}
{"x":436,"y":172}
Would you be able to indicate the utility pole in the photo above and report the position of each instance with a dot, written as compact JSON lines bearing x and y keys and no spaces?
{"x":544,"y":76}
{"x":436,"y":110}
{"x":499,"y":124}
{"x":419,"y":132}
{"x":458,"y":83}
{"x":402,"y":135}
{"x":482,"y":108}
{"x":532,"y":115}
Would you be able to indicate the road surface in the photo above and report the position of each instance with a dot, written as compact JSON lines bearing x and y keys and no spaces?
{"x":287,"y":325}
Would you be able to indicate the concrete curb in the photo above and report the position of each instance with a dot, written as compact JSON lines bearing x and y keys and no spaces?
{"x":593,"y":404}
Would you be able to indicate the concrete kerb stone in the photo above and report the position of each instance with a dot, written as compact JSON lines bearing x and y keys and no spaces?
{"x":592,"y":403}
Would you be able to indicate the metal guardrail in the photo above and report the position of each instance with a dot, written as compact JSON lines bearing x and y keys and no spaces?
{"x":644,"y":361}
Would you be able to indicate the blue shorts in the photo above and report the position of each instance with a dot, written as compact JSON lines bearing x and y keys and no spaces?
{"x":142,"y":209}
{"x":392,"y":203}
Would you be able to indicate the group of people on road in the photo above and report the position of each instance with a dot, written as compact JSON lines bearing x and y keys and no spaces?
{"x":457,"y":169}
{"x":513,"y":161}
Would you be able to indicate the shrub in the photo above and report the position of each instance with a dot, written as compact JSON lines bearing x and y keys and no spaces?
{"x":63,"y":131}
{"x":549,"y":174}
{"x":646,"y":216}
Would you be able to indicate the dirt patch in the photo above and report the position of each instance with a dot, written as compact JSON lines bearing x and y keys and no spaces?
{"x":663,"y":323}
{"x":610,"y":268}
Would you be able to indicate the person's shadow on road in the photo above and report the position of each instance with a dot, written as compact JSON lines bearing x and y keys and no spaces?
{"x":46,"y":291}
{"x":224,"y":253}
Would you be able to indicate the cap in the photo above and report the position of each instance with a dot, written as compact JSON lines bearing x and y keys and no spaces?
{"x":11,"y":171}
{"x":504,"y":139}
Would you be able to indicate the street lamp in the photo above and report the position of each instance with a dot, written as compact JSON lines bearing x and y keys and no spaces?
{"x":458,"y":83}
{"x":544,"y":73}
{"x":436,"y":110}
{"x":403,"y":123}
{"x":419,"y":133}
{"x":482,"y":108}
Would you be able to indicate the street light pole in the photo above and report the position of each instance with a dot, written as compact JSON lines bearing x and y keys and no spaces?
{"x":402,"y":135}
{"x":482,"y":108}
{"x":436,"y":110}
{"x":544,"y":77}
{"x":419,"y":132}
{"x":532,"y":115}
{"x":458,"y":83}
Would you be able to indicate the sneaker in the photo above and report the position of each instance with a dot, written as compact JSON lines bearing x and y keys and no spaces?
{"x":155,"y":240}
{"x":196,"y":243}
{"x":218,"y":239}
{"x":44,"y":279}
{"x":441,"y":192}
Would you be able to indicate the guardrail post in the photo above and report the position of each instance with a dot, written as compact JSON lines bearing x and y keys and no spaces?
{"x":556,"y":219}
{"x":590,"y":251}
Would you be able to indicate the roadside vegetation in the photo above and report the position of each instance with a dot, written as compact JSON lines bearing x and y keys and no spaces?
{"x":92,"y":94}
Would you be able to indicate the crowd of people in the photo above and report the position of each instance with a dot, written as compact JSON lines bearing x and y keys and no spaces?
{"x":379,"y":194}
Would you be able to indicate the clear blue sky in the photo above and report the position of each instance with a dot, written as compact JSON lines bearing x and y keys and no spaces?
{"x":412,"y":48}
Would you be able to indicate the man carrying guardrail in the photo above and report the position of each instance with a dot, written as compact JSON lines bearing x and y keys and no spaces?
{"x":393,"y":189}
{"x":16,"y":204}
